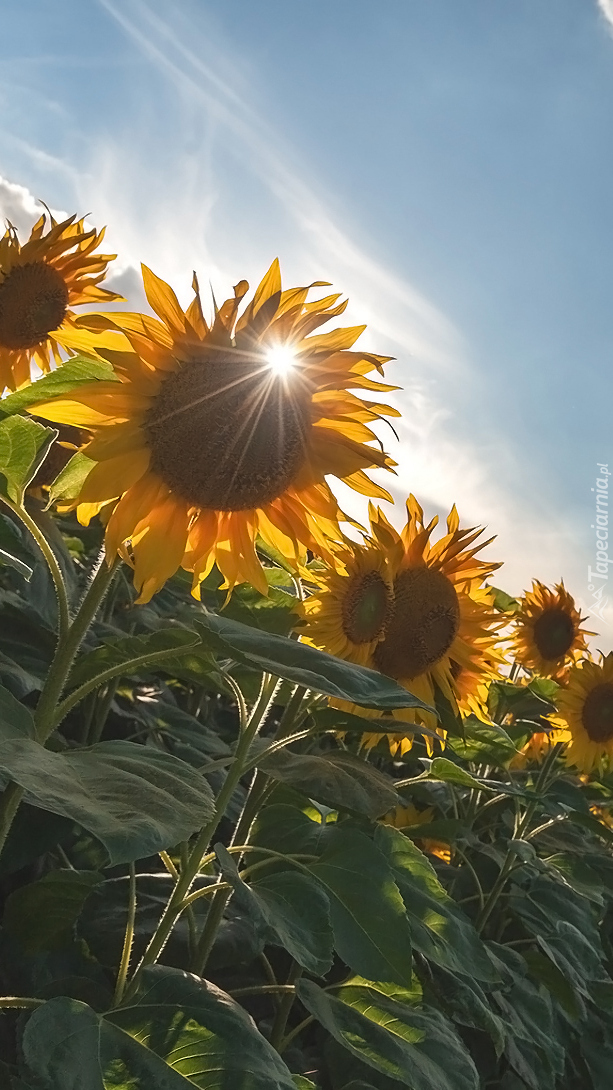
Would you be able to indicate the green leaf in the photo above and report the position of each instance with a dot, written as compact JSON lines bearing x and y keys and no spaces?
{"x":448,"y":772}
{"x":23,"y":446}
{"x":465,"y":1002}
{"x":371,"y":930}
{"x":339,"y":780}
{"x":440,"y":929}
{"x":15,"y":719}
{"x":58,"y":383}
{"x":417,"y":1048}
{"x":13,"y":548}
{"x":328,"y":719}
{"x":303,"y":665}
{"x":545,"y":970}
{"x":134,"y":799}
{"x":201,"y":1033}
{"x":294,"y":909}
{"x":69,"y":482}
{"x":503,"y":601}
{"x":287,"y":829}
{"x":303,"y":1084}
{"x":127,"y":649}
{"x":484,"y":742}
{"x":41,"y":916}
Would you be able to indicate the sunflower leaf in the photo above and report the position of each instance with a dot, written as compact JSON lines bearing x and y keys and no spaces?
{"x":60,"y":383}
{"x":135,"y":800}
{"x":69,"y":482}
{"x":440,"y":929}
{"x":420,"y":1049}
{"x":23,"y":446}
{"x":127,"y":651}
{"x":371,"y":929}
{"x":339,"y":780}
{"x":303,"y":665}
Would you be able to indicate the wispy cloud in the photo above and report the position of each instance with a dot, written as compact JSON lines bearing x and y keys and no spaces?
{"x":606,"y":7}
{"x":208,"y":182}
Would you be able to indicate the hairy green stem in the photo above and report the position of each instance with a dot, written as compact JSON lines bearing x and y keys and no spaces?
{"x":278,"y":1030}
{"x":176,"y":903}
{"x":126,"y":953}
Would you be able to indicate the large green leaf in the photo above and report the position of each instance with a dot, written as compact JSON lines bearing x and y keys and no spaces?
{"x":135,"y":800}
{"x":483,"y":742}
{"x":440,"y":929}
{"x":15,"y":719}
{"x":202,"y":1034}
{"x":293,"y":908}
{"x":339,"y":780}
{"x":465,"y":1002}
{"x":23,"y":446}
{"x":41,"y":915}
{"x":371,"y":930}
{"x":128,"y":650}
{"x":287,"y":829}
{"x":180,"y":1032}
{"x":303,"y":665}
{"x":419,"y":1049}
{"x":58,"y":383}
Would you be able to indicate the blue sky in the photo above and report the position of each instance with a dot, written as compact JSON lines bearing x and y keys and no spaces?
{"x":447,"y":165}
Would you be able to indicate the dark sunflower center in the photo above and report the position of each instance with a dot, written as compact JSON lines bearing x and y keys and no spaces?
{"x":554,"y":633}
{"x":424,"y":625}
{"x":597,"y":713}
{"x":366,"y":607}
{"x":33,"y":301}
{"x":227,"y":434}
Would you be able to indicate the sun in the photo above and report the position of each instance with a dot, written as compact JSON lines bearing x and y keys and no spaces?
{"x":207,"y":442}
{"x":281,"y":359}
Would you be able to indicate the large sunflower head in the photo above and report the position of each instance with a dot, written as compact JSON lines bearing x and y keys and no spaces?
{"x":217,"y":433}
{"x":586,"y":706}
{"x":40,"y":282}
{"x":548,"y":637}
{"x":437,"y":628}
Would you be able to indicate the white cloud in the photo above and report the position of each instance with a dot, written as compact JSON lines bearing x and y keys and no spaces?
{"x":18,"y":206}
{"x":606,"y":7}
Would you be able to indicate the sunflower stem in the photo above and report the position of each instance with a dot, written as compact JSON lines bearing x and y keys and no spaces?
{"x":256,"y":795}
{"x":510,"y":860}
{"x":176,"y":903}
{"x":44,"y":716}
{"x":122,"y":975}
{"x":52,"y":563}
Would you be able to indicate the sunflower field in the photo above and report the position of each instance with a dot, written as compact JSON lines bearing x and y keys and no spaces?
{"x":288,"y":802}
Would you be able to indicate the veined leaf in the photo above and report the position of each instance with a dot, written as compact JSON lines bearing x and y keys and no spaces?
{"x":41,"y":915}
{"x":339,"y":780}
{"x":125,"y":650}
{"x":23,"y":446}
{"x":371,"y":930}
{"x":58,"y":383}
{"x":135,"y":800}
{"x":440,"y":929}
{"x":419,"y":1049}
{"x":303,"y":665}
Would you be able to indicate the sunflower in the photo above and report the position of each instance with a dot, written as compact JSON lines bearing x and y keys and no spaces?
{"x":352,"y":604}
{"x":437,"y":627}
{"x":40,"y":282}
{"x":548,"y":637}
{"x":553,"y":730}
{"x":586,"y":706}
{"x":215,"y":434}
